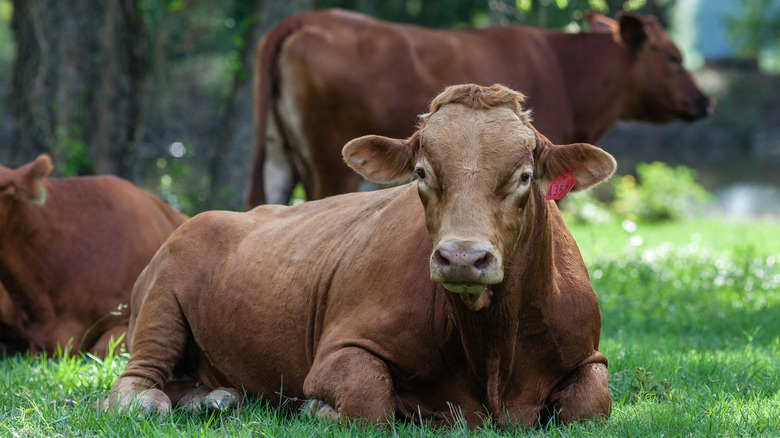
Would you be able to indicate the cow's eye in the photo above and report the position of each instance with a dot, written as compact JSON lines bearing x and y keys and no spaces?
{"x":525,"y":177}
{"x":673,"y":58}
{"x":420,"y":173}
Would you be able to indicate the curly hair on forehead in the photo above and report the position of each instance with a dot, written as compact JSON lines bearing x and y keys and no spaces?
{"x":480,"y":97}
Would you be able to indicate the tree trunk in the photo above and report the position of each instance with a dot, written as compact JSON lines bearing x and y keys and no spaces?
{"x":77,"y":83}
{"x":231,"y":157}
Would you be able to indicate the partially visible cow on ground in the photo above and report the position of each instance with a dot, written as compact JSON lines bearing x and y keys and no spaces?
{"x":70,"y":252}
{"x":323,"y":78}
{"x":461,"y":293}
{"x":13,"y":338}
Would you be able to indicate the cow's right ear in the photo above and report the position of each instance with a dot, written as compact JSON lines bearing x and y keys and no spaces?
{"x":632,"y":30}
{"x":379,"y":159}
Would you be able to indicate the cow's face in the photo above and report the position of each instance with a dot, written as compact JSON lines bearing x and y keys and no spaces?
{"x":474,"y":171}
{"x":660,"y":89}
{"x":478,"y":164}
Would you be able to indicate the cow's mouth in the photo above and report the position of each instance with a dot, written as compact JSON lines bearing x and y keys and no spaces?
{"x":465,"y":288}
{"x":475,"y":296}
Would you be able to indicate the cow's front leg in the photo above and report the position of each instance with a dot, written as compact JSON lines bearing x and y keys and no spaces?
{"x":584,"y":394}
{"x":350,"y":383}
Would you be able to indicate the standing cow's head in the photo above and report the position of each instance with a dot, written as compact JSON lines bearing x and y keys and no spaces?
{"x":660,"y":89}
{"x":479,"y":166}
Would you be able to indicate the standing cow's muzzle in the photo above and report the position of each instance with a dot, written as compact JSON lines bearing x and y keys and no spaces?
{"x":699,"y":108}
{"x":467,"y":268}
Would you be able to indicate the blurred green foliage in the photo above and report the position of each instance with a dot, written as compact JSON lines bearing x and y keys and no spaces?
{"x":659,"y":192}
{"x":756,"y":32}
{"x":74,"y":151}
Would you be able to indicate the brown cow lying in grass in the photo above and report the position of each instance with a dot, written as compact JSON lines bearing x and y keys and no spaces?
{"x":459,"y":293}
{"x":70,"y":252}
{"x":322,"y":78}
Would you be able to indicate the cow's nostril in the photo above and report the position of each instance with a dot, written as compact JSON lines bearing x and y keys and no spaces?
{"x":441,"y":260}
{"x":466,"y":264}
{"x":484,"y":261}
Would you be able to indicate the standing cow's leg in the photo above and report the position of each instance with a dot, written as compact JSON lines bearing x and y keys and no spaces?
{"x":350,"y":384}
{"x":278,"y":174}
{"x":585,"y":392}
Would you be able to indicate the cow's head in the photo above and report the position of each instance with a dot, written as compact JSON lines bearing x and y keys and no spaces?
{"x":24,"y":183}
{"x":660,"y":89}
{"x":478,"y":162}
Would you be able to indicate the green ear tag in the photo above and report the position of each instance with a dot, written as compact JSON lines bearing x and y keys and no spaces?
{"x":42,"y":199}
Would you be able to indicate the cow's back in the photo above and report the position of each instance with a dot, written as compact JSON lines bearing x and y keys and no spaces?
{"x":298,"y":282}
{"x":385,"y":74}
{"x":323,"y":78}
{"x":109,"y":223}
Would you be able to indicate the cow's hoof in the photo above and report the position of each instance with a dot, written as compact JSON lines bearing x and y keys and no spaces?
{"x":220,"y":399}
{"x":144,"y":404}
{"x":193,"y":400}
{"x":153,"y":401}
{"x":130,"y":395}
{"x":316,"y":408}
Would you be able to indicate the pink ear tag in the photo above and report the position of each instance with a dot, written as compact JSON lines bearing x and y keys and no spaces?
{"x":560,"y":185}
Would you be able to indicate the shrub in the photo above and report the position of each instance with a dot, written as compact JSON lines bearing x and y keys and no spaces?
{"x":661,"y":193}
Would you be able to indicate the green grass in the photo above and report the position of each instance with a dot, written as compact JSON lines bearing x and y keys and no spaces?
{"x":691,"y":326}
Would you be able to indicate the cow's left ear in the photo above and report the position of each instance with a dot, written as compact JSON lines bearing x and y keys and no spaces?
{"x":31,"y":177}
{"x":589,"y":165}
{"x":598,"y":23}
{"x":380,"y":159}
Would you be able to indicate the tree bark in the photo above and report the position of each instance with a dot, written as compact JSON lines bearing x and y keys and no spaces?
{"x":231,"y":157}
{"x":77,"y":84}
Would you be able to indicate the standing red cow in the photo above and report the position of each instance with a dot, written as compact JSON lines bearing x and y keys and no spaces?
{"x":323,"y":78}
{"x":70,"y":252}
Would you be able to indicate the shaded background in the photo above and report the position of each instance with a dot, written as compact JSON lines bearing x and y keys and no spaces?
{"x":158,"y":91}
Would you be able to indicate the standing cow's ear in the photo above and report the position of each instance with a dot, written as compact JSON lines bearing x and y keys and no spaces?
{"x":601,"y":24}
{"x":380,"y":159}
{"x":632,"y":30}
{"x":589,"y":165}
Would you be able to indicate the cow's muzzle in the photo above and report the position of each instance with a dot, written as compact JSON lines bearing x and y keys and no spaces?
{"x":698,"y":108}
{"x":464,"y":266}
